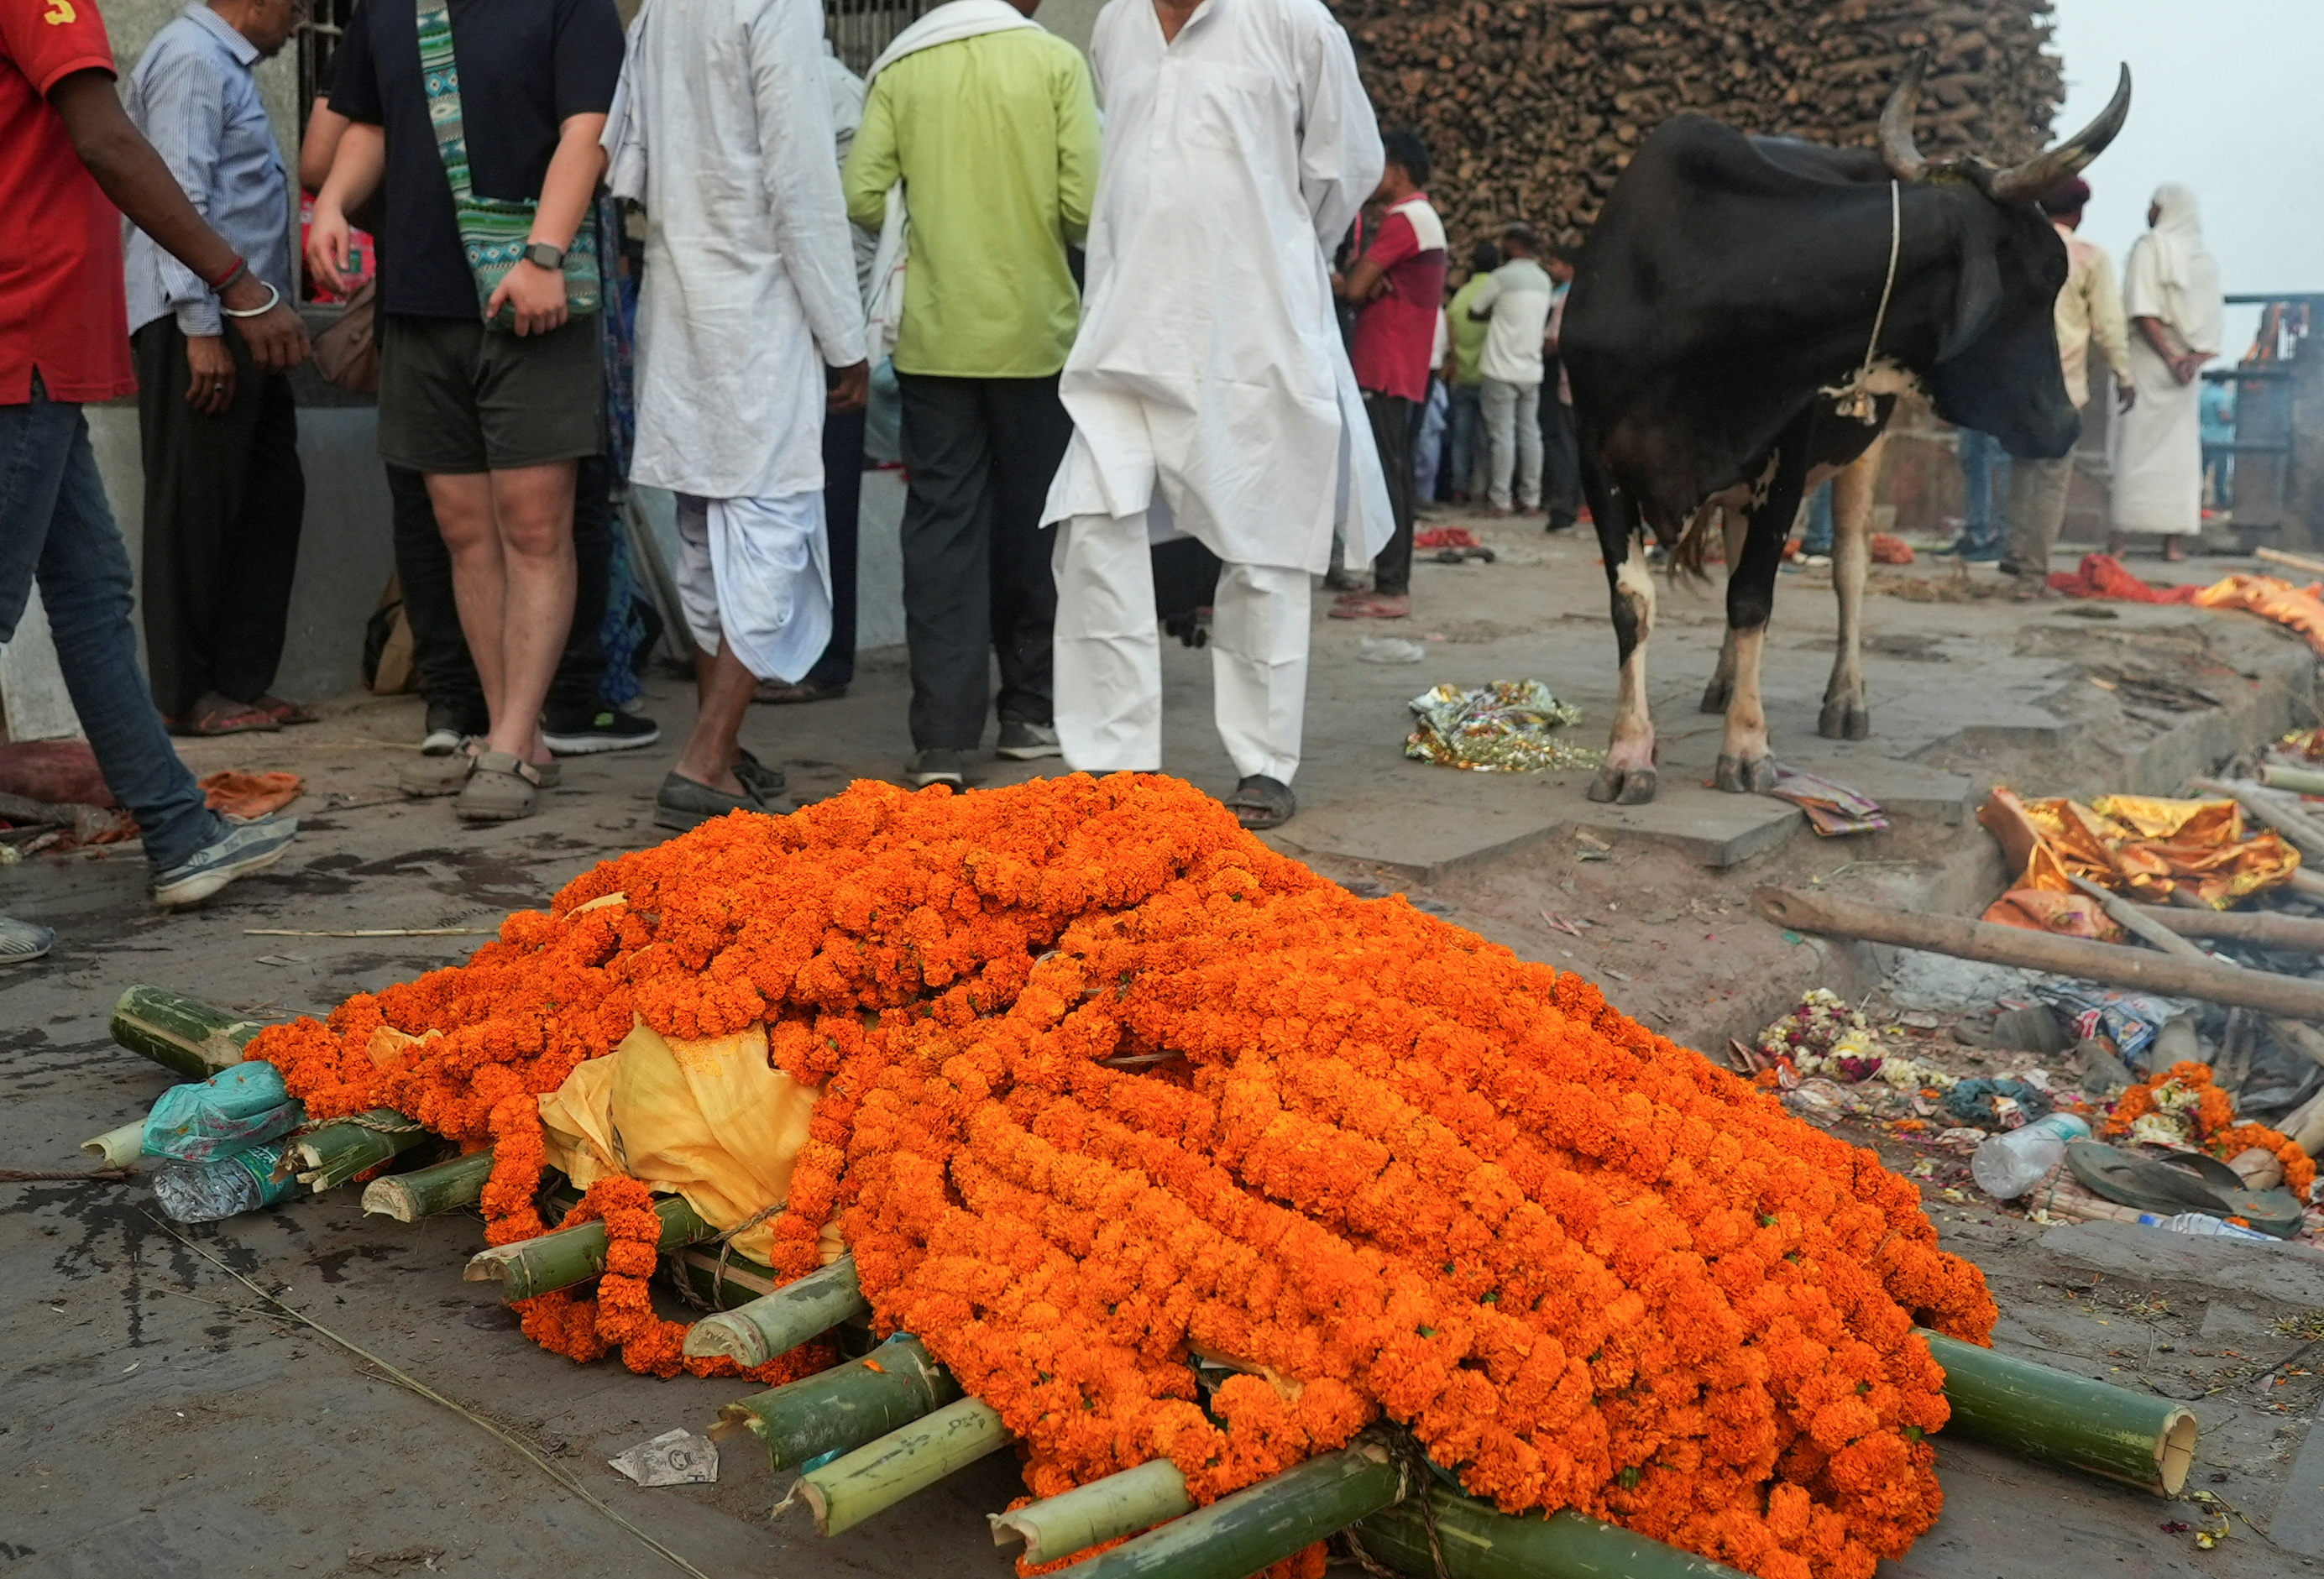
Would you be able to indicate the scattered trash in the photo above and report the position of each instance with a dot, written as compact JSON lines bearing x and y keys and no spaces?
{"x":1390,"y":649}
{"x":251,"y":795}
{"x":2000,"y":1105}
{"x":244,"y":1182}
{"x":1505,"y":726}
{"x":2210,"y":1227}
{"x":2135,"y":845}
{"x":1832,"y":809}
{"x":2127,"y":1022}
{"x":235,"y":1108}
{"x":1589,"y":846}
{"x":677,"y":1458}
{"x":2009,"y":1165}
{"x":2030,"y":1028}
{"x":1888,"y":548}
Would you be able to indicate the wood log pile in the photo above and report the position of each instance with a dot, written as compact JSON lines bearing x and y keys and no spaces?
{"x":1531,"y":108}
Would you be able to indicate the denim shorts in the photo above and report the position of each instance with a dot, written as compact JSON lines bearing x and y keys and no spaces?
{"x":457,"y":397}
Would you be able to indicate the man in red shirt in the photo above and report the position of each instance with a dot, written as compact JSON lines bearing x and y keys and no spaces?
{"x":1400,"y":282}
{"x":66,"y":147}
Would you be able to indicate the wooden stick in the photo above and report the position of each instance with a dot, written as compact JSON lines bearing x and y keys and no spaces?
{"x":2265,"y":929}
{"x":2299,"y":781}
{"x":2269,"y":807}
{"x":184,"y":1035}
{"x":2289,"y":561}
{"x":1106,"y":1509}
{"x":841,"y":1409}
{"x":2110,"y":963}
{"x":425,"y":1191}
{"x":753,"y":1334}
{"x":567,"y":1256}
{"x":882,"y":1472}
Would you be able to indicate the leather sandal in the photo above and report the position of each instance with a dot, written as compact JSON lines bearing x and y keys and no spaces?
{"x":501,"y":787}
{"x":1260,"y":803}
{"x":286,"y":712}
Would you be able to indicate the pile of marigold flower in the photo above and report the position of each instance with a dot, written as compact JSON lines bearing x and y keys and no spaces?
{"x":1106,"y":1083}
{"x":2183,"y":1106}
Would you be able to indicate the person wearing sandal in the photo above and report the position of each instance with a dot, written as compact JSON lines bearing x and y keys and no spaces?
{"x":483,"y":143}
{"x":1227,"y":180}
{"x":725,"y":135}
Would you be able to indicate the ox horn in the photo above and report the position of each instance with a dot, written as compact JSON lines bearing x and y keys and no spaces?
{"x":2031,"y":181}
{"x":1896,"y":146}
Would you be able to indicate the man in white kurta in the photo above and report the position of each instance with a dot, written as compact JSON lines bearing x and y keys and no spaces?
{"x":1210,"y":391}
{"x":2170,"y":294}
{"x":723,"y":130}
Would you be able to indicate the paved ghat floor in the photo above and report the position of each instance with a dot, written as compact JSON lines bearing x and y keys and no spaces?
{"x":154,"y":1419}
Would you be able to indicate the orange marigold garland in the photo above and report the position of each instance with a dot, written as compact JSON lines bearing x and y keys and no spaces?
{"x":1107,"y":1084}
{"x":2187,"y":1092}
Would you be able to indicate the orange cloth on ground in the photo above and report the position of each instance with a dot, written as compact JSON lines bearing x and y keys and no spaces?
{"x":251,"y":795}
{"x":2138,"y":846}
{"x":2300,"y":608}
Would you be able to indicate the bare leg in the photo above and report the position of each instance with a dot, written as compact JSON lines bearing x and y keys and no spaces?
{"x":1847,"y":716}
{"x":724,"y":689}
{"x":511,"y":538}
{"x":1721,"y":689}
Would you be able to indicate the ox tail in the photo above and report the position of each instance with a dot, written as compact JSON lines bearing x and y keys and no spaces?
{"x":1690,"y":555}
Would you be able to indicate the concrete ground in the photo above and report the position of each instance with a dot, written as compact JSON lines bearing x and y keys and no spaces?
{"x":157,"y":1419}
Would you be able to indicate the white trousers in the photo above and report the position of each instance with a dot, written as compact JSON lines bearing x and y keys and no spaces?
{"x":1109,"y":655}
{"x":757,"y":571}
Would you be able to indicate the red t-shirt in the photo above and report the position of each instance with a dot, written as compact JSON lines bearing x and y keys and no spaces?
{"x":1395,"y":331}
{"x":62,"y":308}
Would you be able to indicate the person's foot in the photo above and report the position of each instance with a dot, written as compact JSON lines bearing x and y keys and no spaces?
{"x":2117,"y":544}
{"x":1560,"y":523}
{"x":606,"y":729}
{"x":222,"y":715}
{"x":2173,"y":554}
{"x":776,"y":693}
{"x":244,"y":848}
{"x":448,"y":728}
{"x":756,"y":777}
{"x":1021,"y":742}
{"x":501,"y":787}
{"x":1345,"y":585}
{"x":1373,"y":606}
{"x":1260,"y":803}
{"x":21,"y":942}
{"x":1815,"y":562}
{"x":938,"y":764}
{"x":286,"y":712}
{"x":682,"y":804}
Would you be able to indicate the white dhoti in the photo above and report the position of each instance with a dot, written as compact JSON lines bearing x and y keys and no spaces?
{"x":2158,"y":458}
{"x":757,"y":573}
{"x":1109,"y":655}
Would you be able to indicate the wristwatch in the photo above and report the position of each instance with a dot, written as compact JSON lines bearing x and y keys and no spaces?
{"x":540,"y":255}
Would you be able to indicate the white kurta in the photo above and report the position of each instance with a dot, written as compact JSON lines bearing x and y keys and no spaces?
{"x":2158,"y":459}
{"x":1209,"y":375}
{"x":722,"y":129}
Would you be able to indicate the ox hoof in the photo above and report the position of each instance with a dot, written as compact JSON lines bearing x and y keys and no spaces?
{"x":1717,"y":695}
{"x":1633,"y":786}
{"x":1739,"y":776}
{"x":1843,"y":720}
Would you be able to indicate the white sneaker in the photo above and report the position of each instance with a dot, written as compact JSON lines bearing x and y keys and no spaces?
{"x":246,"y":847}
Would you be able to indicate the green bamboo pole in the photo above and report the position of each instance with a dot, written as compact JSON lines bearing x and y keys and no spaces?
{"x":327,"y":1156}
{"x":423,"y":1192}
{"x":185,"y":1035}
{"x":1261,"y":1524}
{"x":2055,"y":1418}
{"x":560,"y":1259}
{"x":1481,"y":1543}
{"x":841,"y":1409}
{"x":120,"y":1148}
{"x":1153,"y":1494}
{"x":722,"y":1281}
{"x":753,"y":1334}
{"x":883,"y":1472}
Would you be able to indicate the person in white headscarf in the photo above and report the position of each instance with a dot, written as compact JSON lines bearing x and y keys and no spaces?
{"x":721,"y":129}
{"x":2170,"y":294}
{"x":1210,"y":394}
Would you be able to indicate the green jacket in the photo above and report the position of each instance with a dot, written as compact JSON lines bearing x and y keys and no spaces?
{"x":995,"y":139}
{"x":1468,"y":333}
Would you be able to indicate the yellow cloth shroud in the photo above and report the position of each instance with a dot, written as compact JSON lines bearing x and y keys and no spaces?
{"x":710,"y":1120}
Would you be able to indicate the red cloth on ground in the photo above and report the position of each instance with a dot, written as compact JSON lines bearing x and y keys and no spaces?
{"x":56,"y":773}
{"x":2102,"y":576}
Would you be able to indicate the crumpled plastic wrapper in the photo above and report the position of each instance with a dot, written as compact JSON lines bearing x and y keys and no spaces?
{"x":677,"y":1458}
{"x":1507,"y":727}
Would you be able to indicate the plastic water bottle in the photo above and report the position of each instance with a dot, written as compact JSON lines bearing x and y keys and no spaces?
{"x":203,"y":1192}
{"x":2008,"y":1165}
{"x":2208,"y":1227}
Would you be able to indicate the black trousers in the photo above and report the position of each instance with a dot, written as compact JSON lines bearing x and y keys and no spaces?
{"x":1560,"y":453}
{"x":981,"y":454}
{"x":225,"y":499}
{"x":843,"y":503}
{"x":1391,"y":418}
{"x":439,"y":647}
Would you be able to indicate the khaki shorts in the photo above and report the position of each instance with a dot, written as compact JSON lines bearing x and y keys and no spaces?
{"x":457,"y":398}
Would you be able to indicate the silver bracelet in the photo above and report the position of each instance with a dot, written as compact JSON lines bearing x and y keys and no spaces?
{"x":274,"y":300}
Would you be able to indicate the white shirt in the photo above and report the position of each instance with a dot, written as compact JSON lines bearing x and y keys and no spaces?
{"x":722,"y":128}
{"x":1208,"y":377}
{"x":1518,"y":294}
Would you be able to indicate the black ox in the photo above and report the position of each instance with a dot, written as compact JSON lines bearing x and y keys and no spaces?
{"x":1723,"y":344}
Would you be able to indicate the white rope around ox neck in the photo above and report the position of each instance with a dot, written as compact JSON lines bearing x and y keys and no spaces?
{"x":1855,"y":398}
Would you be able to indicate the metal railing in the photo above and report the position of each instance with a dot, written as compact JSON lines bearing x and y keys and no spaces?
{"x":2250,"y":477}
{"x":860,"y":29}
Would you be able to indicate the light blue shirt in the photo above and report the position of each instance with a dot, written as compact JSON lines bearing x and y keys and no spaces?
{"x":195,"y":97}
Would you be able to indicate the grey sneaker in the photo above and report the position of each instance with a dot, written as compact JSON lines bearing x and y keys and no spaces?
{"x":21,"y":940}
{"x":938,"y":764}
{"x":246,"y":847}
{"x":1024,"y":742}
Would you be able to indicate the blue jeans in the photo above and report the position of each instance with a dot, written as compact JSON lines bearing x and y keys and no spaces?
{"x":1817,"y":539}
{"x":1428,"y":444}
{"x":56,"y":527}
{"x":1985,"y":477}
{"x":1468,"y":422}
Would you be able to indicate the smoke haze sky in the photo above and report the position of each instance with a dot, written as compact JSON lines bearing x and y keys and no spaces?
{"x":2226,"y":99}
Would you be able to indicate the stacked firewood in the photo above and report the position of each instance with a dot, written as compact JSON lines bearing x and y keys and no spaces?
{"x":1531,"y":108}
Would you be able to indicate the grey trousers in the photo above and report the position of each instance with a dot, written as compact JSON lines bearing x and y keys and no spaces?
{"x":1513,"y":441}
{"x":2037,"y":509}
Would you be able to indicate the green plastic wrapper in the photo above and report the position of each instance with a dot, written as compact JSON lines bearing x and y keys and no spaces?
{"x":1510,"y":726}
